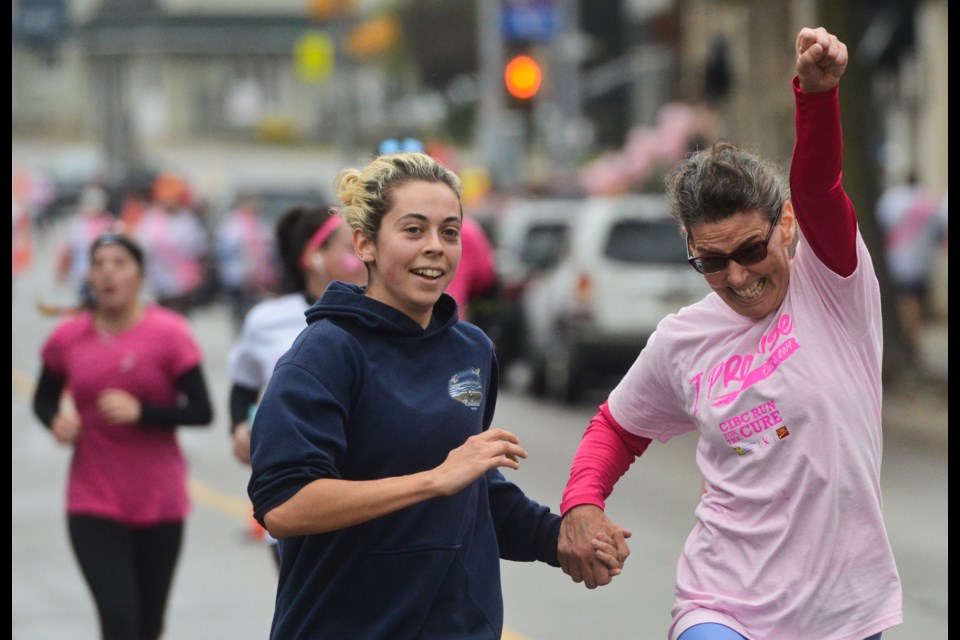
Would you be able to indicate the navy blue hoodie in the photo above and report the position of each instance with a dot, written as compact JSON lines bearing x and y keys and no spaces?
{"x":365,"y":393}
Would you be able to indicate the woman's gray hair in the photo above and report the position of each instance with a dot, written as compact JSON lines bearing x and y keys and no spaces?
{"x":721,"y":181}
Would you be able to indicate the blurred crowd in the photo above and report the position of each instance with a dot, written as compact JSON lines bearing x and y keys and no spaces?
{"x":914,"y":222}
{"x":201,"y":252}
{"x":163,"y":216}
{"x":197,"y":252}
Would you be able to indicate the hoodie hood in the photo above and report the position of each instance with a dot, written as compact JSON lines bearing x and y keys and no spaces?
{"x":349,"y":302}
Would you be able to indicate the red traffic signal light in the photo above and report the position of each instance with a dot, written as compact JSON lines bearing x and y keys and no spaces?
{"x":522,"y":77}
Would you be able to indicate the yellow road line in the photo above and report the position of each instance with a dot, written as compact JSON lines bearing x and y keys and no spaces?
{"x":22,"y":383}
{"x":224,"y":503}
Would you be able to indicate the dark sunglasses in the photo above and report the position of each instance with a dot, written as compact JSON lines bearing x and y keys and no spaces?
{"x":750,"y":254}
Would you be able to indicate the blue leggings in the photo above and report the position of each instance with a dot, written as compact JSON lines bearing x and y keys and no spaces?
{"x":713,"y":631}
{"x":710,"y":631}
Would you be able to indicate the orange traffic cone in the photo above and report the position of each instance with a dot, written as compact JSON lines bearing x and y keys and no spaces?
{"x":254,"y":529}
{"x":22,"y":244}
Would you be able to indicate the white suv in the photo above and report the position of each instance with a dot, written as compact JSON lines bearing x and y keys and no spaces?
{"x":531,"y":235}
{"x":624,"y":269}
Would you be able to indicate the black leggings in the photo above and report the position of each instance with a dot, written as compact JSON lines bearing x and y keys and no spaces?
{"x":129,"y":571}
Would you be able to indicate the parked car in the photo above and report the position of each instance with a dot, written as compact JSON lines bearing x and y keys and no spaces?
{"x":530,"y":236}
{"x":623,"y":270}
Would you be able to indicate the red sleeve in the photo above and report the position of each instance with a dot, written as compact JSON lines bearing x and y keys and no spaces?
{"x":605,"y":453}
{"x":824,"y":212}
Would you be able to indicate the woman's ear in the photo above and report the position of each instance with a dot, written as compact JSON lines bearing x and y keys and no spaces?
{"x":788,"y":224}
{"x":364,"y":247}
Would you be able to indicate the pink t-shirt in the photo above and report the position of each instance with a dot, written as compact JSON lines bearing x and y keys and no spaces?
{"x":789,"y":541}
{"x":132,"y":473}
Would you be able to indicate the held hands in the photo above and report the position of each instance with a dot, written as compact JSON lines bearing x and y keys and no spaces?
{"x":480,"y":453}
{"x":119,"y":407}
{"x":821,"y":60}
{"x":591,"y":548}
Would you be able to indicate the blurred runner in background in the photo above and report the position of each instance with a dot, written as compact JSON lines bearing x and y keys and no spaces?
{"x":476,"y":275}
{"x":91,"y":219}
{"x":133,"y":373}
{"x":175,"y":243}
{"x":315,"y":248}
{"x":914,"y":227}
{"x":246,"y":267}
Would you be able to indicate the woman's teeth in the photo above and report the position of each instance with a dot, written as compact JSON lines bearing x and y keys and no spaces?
{"x":753,"y":291}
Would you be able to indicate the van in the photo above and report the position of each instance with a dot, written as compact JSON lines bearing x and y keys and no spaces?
{"x":624,"y":269}
{"x":530,"y":237}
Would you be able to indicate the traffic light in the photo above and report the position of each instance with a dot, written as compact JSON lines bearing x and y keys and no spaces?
{"x":522,"y":77}
{"x":528,"y":27}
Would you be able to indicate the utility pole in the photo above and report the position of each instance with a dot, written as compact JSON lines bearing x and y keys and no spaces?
{"x":563,"y":122}
{"x":499,"y":132}
{"x":109,"y":68}
{"x":119,"y":139}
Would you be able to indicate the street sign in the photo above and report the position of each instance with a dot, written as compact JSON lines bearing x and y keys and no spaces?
{"x":314,"y":56}
{"x":530,"y":20}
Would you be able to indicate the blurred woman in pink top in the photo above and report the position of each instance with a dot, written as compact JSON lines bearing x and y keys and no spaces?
{"x":133,"y":372}
{"x":476,"y":274}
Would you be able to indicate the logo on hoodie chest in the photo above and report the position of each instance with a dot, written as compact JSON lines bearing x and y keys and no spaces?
{"x":466,"y":387}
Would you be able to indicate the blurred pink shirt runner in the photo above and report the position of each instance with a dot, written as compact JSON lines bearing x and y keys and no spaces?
{"x":476,"y":272}
{"x":133,"y":473}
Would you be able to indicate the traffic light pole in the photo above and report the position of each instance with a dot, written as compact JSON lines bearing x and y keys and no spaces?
{"x":565,"y":141}
{"x":550,"y":119}
{"x":499,"y":136}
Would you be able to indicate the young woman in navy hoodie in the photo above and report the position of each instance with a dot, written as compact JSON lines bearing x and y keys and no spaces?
{"x":373,"y":459}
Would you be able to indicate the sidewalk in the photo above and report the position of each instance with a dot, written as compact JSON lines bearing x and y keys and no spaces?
{"x":916,"y":412}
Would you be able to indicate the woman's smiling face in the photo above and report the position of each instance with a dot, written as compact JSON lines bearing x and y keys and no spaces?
{"x":417,"y":249}
{"x":755,"y":290}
